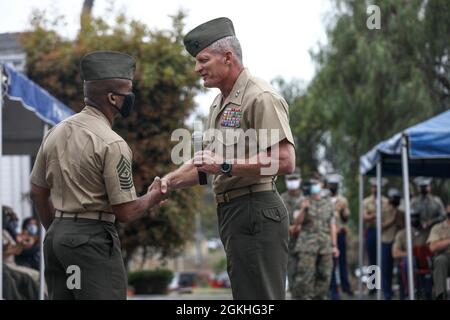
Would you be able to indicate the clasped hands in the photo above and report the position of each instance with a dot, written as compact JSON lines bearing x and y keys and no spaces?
{"x":157,"y":194}
{"x":205,"y":161}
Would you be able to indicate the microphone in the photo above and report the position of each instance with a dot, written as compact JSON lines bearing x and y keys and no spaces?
{"x":197,"y":138}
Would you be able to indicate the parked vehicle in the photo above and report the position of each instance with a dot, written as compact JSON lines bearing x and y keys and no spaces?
{"x":184,"y":282}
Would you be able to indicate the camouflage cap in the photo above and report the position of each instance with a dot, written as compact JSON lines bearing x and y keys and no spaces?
{"x":101,"y":65}
{"x":206,"y":34}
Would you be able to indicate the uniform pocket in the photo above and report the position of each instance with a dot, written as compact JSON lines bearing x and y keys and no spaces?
{"x":275,"y":214}
{"x":268,"y":218}
{"x":74,"y":240}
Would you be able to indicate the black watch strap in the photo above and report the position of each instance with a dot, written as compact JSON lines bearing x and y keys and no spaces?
{"x":226,"y":168}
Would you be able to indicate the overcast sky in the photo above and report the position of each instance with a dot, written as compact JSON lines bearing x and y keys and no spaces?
{"x":276,"y":36}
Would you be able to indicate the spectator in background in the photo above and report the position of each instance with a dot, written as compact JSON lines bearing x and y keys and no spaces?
{"x":29,"y":239}
{"x":10,"y":221}
{"x":342,"y":214}
{"x":439,"y":242}
{"x":316,"y":244}
{"x":370,"y":213}
{"x":19,"y":282}
{"x":399,"y":248}
{"x":292,"y":198}
{"x":429,"y":206}
{"x":389,"y":229}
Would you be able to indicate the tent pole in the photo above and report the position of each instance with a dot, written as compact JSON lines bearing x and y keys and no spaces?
{"x":360,"y":234}
{"x":378,"y":205}
{"x":1,"y":166}
{"x":42,"y":236}
{"x":405,"y":170}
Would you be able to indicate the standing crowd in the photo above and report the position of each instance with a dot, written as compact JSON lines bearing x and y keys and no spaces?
{"x":319,"y":215}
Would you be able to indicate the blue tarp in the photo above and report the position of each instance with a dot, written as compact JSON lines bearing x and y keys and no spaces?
{"x":428,"y":150}
{"x":34,"y":98}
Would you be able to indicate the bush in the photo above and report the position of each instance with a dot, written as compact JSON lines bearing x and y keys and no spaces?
{"x":150,"y":281}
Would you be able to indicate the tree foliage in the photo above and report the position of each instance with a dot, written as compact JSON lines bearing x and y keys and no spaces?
{"x":164,"y":84}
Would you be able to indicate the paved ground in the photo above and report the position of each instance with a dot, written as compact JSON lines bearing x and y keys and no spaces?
{"x":217,"y":294}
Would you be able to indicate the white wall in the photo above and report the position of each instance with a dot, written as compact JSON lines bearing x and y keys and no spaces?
{"x":15,"y":184}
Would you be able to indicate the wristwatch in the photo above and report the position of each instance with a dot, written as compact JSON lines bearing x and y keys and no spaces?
{"x":225,"y":168}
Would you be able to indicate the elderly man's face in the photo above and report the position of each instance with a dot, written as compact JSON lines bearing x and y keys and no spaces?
{"x":211,"y":67}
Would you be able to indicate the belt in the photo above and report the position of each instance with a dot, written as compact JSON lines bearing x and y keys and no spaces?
{"x":232,"y":194}
{"x":93,"y":215}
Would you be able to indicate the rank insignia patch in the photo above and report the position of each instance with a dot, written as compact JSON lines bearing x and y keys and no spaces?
{"x":124,"y":173}
{"x":231,"y":118}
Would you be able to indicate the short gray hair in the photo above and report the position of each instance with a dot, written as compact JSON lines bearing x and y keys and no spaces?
{"x":230,"y":43}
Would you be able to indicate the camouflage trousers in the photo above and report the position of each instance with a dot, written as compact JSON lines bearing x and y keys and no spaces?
{"x":313,"y":276}
{"x":292,"y":262}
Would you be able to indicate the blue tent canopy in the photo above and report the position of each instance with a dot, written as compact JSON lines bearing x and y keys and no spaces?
{"x":428,"y":150}
{"x":34,"y":98}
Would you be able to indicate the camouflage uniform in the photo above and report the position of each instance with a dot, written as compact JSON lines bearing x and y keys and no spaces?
{"x":314,"y":248}
{"x":292,"y":202}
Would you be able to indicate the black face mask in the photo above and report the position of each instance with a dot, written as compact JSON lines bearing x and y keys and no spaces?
{"x":127,"y":105}
{"x":395,"y":201}
{"x":424,"y":190}
{"x":416,"y":223}
{"x":448,"y":215}
{"x":333,"y":189}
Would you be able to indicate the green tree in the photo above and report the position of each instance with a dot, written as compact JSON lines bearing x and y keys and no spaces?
{"x":165,"y":85}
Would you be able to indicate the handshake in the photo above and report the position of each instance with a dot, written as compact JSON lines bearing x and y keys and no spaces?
{"x":157,"y":193}
{"x":189,"y":174}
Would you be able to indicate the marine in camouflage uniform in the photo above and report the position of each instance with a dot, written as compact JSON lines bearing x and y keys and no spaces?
{"x":315,"y":244}
{"x":292,"y":199}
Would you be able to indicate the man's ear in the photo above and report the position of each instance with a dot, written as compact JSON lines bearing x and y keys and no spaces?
{"x":112,"y":99}
{"x":228,"y":57}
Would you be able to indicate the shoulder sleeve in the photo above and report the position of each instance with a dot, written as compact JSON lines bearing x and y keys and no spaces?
{"x":346,"y":209}
{"x":366,"y":205}
{"x":441,"y":206}
{"x":117,"y":173}
{"x":39,"y":172}
{"x":434,"y":234}
{"x":271,"y":112}
{"x":331,"y":217}
{"x":398,"y":241}
{"x":299,"y":201}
